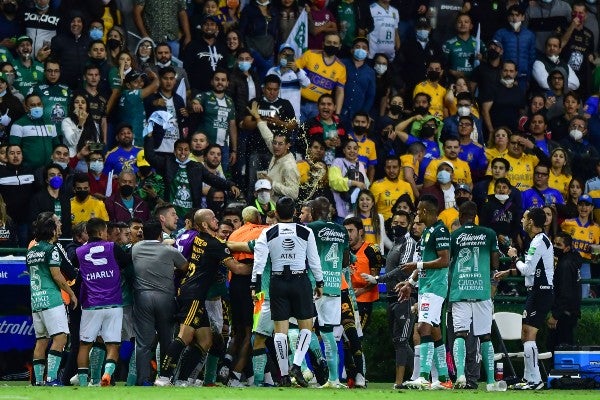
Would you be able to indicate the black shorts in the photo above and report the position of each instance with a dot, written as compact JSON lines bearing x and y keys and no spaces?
{"x":347,"y":309}
{"x":242,"y":307}
{"x":291,"y":297}
{"x":537,"y":306}
{"x":191,"y":312}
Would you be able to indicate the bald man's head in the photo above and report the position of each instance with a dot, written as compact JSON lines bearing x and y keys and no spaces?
{"x":206,"y":221}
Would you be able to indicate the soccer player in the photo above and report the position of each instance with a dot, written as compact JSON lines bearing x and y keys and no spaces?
{"x":432,"y":271}
{"x":290,"y":246}
{"x":49,"y":313}
{"x":475,"y":257}
{"x":208,"y":253}
{"x":332,"y":245}
{"x":538,"y":270}
{"x":100,"y":262}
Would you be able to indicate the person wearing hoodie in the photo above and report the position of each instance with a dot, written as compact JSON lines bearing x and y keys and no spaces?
{"x":549,"y":61}
{"x":543,"y":17}
{"x":555,"y":95}
{"x":71,"y":49}
{"x":144,"y":53}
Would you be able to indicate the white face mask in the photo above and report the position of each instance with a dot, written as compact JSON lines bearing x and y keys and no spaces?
{"x":444,"y":177}
{"x":508,"y":82}
{"x":516,"y":25}
{"x":97,"y":166}
{"x":501,"y":197}
{"x":553,"y":58}
{"x":464,"y":111}
{"x":576,"y":134}
{"x":263,"y":197}
{"x":380,"y":68}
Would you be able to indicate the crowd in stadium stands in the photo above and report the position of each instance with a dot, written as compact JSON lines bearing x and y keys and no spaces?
{"x":121,"y":114}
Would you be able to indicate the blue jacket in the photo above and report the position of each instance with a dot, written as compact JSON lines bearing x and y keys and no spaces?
{"x":518,"y":47}
{"x":359,"y":91}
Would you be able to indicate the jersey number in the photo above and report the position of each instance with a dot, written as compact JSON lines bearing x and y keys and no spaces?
{"x":332,"y":255}
{"x":463,"y":258}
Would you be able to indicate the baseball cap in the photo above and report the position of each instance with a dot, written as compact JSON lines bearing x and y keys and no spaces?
{"x":140,"y":159}
{"x":448,"y":163}
{"x":24,"y":38}
{"x":132,"y":76}
{"x":462,"y":186}
{"x":495,"y":42}
{"x":585,"y":198}
{"x":285,"y":46}
{"x":262,"y":184}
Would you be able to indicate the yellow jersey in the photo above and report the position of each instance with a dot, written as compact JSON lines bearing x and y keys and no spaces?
{"x":492,"y":152}
{"x":366,"y":151}
{"x":462,"y":171}
{"x":323,"y":78}
{"x":560,"y":183}
{"x":437,"y":93}
{"x":520,"y":173}
{"x":450,"y":219}
{"x":386,"y":193}
{"x":90,"y":208}
{"x":583,"y":235}
{"x":410,"y":161}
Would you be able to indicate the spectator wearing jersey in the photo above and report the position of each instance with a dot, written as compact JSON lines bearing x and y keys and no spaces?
{"x":28,"y":69}
{"x":384,"y":38}
{"x":131,"y":103}
{"x":55,"y":95}
{"x":387,"y":190}
{"x":83,"y":205}
{"x":123,"y":156}
{"x":432,"y":87}
{"x":470,"y":151}
{"x":540,"y":193}
{"x":462,"y":170}
{"x":359,"y":91}
{"x":460,"y":51}
{"x":327,"y":126}
{"x":354,"y":20}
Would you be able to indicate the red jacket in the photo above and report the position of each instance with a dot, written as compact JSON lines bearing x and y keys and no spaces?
{"x":118,"y":212}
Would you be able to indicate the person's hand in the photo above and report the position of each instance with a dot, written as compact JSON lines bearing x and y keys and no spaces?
{"x":360,"y":185}
{"x":232,"y":158}
{"x":151,"y":74}
{"x":421,"y":10}
{"x":307,"y":8}
{"x":43,"y":53}
{"x":358,"y":292}
{"x":5,"y":119}
{"x":196,"y":106}
{"x":184,"y":112}
{"x":318,"y":292}
{"x":512,"y":252}
{"x":552,"y":322}
{"x":404,"y":290}
{"x":498,"y":276}
{"x":253,"y":110}
{"x":409,"y":267}
{"x":73,"y":299}
{"x":369,"y":278}
{"x":235,"y":190}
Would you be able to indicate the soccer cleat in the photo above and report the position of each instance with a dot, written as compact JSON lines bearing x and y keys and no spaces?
{"x":223,"y":375}
{"x":194,"y":382}
{"x":105,"y":381}
{"x":350,"y":383}
{"x":360,"y":382}
{"x":499,"y":386}
{"x":530,"y":386}
{"x":163,"y":381}
{"x":437,"y":385}
{"x":321,"y":372}
{"x":74,"y":380}
{"x":419,"y":383}
{"x":308,"y":375}
{"x":55,"y":382}
{"x":518,"y":385}
{"x":461,"y":382}
{"x":92,"y":384}
{"x":296,"y":373}
{"x":398,"y":386}
{"x":233,"y":382}
{"x":332,"y":385}
{"x":285,"y":381}
{"x":180,"y":383}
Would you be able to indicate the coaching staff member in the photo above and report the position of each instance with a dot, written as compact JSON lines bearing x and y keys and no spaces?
{"x":290,"y":246}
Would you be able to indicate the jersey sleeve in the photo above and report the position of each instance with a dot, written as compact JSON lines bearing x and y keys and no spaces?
{"x":312,"y":255}
{"x":54,"y":259}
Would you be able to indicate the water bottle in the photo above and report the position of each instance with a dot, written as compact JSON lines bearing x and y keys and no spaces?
{"x":499,"y":372}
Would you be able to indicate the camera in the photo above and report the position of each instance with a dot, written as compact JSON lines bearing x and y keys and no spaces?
{"x":95,"y":146}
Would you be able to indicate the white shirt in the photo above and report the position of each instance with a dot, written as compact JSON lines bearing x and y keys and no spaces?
{"x":383,"y":37}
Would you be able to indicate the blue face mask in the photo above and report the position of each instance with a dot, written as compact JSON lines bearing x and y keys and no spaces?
{"x":2,"y":93}
{"x":443,"y":176}
{"x":55,"y":182}
{"x":244,"y":65}
{"x":422,"y":35}
{"x":360,"y":54}
{"x":36,"y":112}
{"x":96,"y":34}
{"x":283,"y":62}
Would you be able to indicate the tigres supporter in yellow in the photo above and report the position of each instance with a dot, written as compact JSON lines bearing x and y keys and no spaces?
{"x":449,"y":216}
{"x":410,"y":163}
{"x":387,"y":190}
{"x":462,"y":171}
{"x":83,"y":205}
{"x":366,"y":147}
{"x":433,"y":88}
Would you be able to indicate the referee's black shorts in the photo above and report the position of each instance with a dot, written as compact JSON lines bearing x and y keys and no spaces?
{"x":537,"y":306}
{"x":291,"y":297}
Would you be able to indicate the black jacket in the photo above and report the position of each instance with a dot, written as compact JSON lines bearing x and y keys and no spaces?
{"x":42,"y":201}
{"x":73,"y":55}
{"x":17,"y":186}
{"x":238,"y":91}
{"x":567,"y":286}
{"x":197,"y":173}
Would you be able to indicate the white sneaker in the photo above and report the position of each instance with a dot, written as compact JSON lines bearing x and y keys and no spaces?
{"x":235,"y":383}
{"x":74,"y":380}
{"x":461,"y":382}
{"x":333,"y":385}
{"x":180,"y":383}
{"x":194,"y":382}
{"x":419,"y":383}
{"x":360,"y":381}
{"x":163,"y":381}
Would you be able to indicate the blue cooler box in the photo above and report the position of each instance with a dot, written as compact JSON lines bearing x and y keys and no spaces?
{"x":585,"y":360}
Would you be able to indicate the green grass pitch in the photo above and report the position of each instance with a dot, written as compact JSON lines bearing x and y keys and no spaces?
{"x":375,"y":391}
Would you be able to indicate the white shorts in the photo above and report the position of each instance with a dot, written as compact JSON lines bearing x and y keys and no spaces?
{"x":480,"y":312}
{"x":214,"y":309}
{"x":430,"y":308}
{"x":127,"y":327}
{"x":264,"y":325}
{"x":329,"y":310}
{"x":105,"y":322}
{"x":50,"y":322}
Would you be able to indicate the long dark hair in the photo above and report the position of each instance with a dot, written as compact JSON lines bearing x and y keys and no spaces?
{"x":89,"y":132}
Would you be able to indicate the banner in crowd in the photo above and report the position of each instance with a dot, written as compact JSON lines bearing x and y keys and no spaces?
{"x":298,"y":38}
